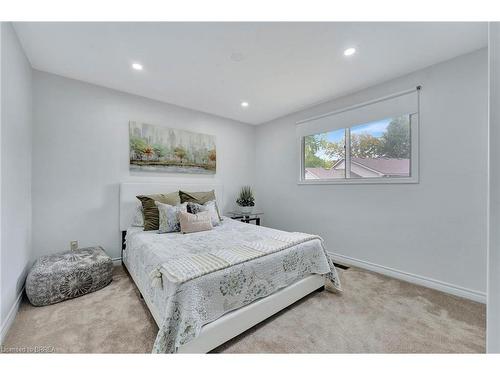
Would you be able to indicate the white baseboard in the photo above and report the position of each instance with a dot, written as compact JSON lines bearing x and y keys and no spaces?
{"x":10,"y":317}
{"x":442,"y":286}
{"x":117,"y":261}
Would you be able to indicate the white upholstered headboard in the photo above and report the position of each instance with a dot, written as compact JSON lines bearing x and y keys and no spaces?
{"x":129,"y":191}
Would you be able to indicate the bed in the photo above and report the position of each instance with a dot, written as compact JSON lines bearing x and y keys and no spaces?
{"x":196,"y":312}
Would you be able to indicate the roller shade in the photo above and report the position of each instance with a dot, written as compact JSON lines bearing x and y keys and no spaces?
{"x":387,"y":107}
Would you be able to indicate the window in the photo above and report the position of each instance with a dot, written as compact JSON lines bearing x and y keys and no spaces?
{"x":381,"y":148}
{"x":322,"y":153}
{"x":377,"y":151}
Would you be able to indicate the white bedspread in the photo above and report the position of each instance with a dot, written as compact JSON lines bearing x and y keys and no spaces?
{"x":183,"y":308}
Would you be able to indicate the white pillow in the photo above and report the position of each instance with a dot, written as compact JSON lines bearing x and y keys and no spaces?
{"x":210,"y":206}
{"x":191,"y":223}
{"x":138,"y":218}
{"x":169,"y":216}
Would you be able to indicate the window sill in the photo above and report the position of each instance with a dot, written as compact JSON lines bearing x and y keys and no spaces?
{"x":356,"y":181}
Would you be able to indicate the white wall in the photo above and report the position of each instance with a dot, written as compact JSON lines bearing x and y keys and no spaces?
{"x":16,"y":148}
{"x":493,"y":313}
{"x":1,"y":122}
{"x":434,"y":230}
{"x":80,"y":156}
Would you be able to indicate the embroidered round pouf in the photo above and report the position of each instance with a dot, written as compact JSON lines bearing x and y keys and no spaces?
{"x":58,"y":277}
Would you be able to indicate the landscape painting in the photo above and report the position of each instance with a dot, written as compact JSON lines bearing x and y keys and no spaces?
{"x":161,"y":149}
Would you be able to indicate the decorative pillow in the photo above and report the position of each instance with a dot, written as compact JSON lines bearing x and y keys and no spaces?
{"x":138,"y":219}
{"x":151,"y":216}
{"x":210,"y":206}
{"x":169,"y":216}
{"x":200,"y":197}
{"x":194,"y":208}
{"x":191,"y":223}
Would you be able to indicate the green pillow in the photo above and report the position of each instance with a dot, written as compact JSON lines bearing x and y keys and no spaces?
{"x":151,"y":214}
{"x":200,"y":197}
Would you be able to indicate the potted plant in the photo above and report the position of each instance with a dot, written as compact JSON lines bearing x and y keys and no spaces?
{"x":246,"y":201}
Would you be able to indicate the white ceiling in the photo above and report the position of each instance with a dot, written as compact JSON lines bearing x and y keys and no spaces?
{"x":278,"y":68}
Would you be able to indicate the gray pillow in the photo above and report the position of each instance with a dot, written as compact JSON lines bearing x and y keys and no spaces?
{"x":169,"y":217}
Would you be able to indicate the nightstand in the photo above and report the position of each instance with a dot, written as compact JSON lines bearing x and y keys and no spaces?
{"x":246,"y":218}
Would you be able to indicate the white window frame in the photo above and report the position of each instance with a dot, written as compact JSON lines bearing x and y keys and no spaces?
{"x":414,"y":162}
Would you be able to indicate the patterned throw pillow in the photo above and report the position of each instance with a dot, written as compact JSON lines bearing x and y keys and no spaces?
{"x":138,"y":218}
{"x":151,"y":218}
{"x":194,"y":208}
{"x":191,"y":223}
{"x":210,"y":206}
{"x":169,"y":216}
{"x":200,"y":197}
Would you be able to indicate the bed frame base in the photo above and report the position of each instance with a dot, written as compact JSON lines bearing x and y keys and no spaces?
{"x":238,"y":321}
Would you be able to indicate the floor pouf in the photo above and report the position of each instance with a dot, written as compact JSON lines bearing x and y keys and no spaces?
{"x":58,"y":277}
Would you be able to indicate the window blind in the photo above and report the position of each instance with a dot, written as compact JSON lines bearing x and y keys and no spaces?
{"x":394,"y":105}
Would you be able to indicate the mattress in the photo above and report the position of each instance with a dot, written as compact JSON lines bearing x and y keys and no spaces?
{"x":181,"y":309}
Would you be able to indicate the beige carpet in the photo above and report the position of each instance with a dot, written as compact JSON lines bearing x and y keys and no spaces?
{"x":375,"y":314}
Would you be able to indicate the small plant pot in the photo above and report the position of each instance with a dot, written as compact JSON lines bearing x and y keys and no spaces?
{"x":245,"y":209}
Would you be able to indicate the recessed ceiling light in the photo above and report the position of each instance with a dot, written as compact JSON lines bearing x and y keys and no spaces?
{"x":137,"y":66}
{"x":349,"y":51}
{"x":244,"y":104}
